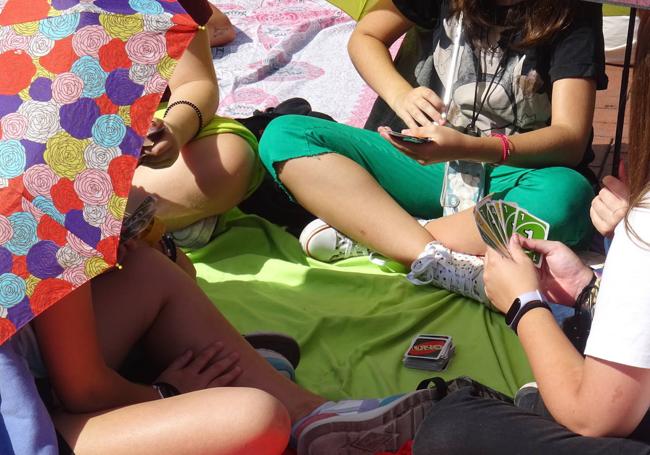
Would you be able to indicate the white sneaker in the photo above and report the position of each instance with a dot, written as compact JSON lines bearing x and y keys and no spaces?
{"x":456,"y":272}
{"x":321,"y":241}
{"x":196,"y":235}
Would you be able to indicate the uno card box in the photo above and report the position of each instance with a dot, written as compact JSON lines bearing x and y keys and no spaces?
{"x":429,"y":352}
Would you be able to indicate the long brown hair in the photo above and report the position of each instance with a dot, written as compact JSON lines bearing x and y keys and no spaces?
{"x":639,"y":149}
{"x":537,"y":20}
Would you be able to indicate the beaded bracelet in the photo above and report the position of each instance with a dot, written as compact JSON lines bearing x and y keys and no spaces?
{"x":505,"y":150}
{"x":193,"y":106}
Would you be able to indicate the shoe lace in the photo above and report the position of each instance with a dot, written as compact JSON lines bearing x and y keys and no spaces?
{"x":459,"y":273}
{"x":424,"y":269}
{"x":348,"y":247}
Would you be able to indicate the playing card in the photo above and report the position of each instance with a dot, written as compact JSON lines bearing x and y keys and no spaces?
{"x":497,"y":221}
{"x":509,"y":211}
{"x":489,"y":226}
{"x":428,"y":347}
{"x":429,"y":352}
{"x":528,"y":225}
{"x":135,"y":223}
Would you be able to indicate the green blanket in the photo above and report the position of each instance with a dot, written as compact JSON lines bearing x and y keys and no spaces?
{"x":353,"y":321}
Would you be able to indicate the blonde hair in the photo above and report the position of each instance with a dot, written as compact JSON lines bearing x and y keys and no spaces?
{"x":639,"y":149}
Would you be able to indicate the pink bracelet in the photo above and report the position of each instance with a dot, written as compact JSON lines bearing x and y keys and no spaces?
{"x":505,"y":144}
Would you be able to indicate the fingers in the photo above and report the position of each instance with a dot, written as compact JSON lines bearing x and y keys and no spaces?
{"x":617,"y":187}
{"x":204,"y":357}
{"x":181,"y":361}
{"x":541,"y":246}
{"x":425,"y":106}
{"x":226,"y":378}
{"x":606,"y":211}
{"x":516,"y":250}
{"x":606,"y":228}
{"x":223,"y":369}
{"x":435,"y":100}
{"x":420,"y":118}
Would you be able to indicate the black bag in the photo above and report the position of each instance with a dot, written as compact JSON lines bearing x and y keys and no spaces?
{"x":269,"y":201}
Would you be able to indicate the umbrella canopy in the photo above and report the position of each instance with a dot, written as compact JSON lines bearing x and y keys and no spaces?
{"x":79,"y":85}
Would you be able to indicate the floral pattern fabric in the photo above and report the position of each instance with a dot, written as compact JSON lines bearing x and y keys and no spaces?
{"x":79,"y":83}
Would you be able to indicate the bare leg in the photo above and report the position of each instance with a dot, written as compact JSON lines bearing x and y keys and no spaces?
{"x":339,"y":191}
{"x":347,"y":197}
{"x":153,"y":301}
{"x":458,"y":233}
{"x":220,"y":30}
{"x":211,"y":422}
{"x":210,"y":177}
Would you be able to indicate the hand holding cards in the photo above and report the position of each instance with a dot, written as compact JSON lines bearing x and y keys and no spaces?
{"x":429,"y":352}
{"x":497,"y":221}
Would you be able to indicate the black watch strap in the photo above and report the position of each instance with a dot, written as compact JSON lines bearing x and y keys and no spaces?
{"x":165,"y":390}
{"x":514,"y":323}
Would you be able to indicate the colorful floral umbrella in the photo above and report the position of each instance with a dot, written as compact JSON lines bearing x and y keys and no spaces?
{"x":79,"y":84}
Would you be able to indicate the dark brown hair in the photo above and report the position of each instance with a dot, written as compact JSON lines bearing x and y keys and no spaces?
{"x":537,"y":20}
{"x":639,"y":151}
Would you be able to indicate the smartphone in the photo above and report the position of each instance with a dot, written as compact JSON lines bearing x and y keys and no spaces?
{"x":411,"y":139}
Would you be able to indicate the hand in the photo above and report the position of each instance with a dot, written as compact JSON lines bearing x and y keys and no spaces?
{"x":419,"y":107}
{"x":124,"y":248}
{"x":209,"y":368}
{"x":185,"y":264}
{"x":505,"y":278}
{"x":446,"y":144}
{"x":610,"y":205}
{"x":562,"y":275}
{"x":161,"y":147}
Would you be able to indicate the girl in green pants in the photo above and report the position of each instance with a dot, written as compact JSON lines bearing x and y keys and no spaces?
{"x":515,"y":57}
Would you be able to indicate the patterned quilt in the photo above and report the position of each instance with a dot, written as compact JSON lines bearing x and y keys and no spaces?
{"x":286,"y":49}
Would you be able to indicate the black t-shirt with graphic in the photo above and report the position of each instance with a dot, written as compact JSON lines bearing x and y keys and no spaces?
{"x":510,"y":90}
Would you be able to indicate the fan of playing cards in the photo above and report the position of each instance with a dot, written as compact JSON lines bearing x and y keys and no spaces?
{"x":429,"y":352}
{"x":498,"y":220}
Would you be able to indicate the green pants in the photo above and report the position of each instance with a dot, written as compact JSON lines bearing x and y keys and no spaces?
{"x":558,"y":195}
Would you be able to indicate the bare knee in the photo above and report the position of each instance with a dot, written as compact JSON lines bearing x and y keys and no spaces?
{"x":222,"y":166}
{"x":267,"y":424}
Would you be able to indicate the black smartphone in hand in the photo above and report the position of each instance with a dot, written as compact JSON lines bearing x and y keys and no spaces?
{"x":407,"y":138}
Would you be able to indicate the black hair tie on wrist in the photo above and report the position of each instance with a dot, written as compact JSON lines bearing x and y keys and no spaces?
{"x":193,"y":106}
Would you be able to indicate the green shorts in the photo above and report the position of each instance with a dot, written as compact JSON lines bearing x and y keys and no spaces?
{"x":559,"y":195}
{"x":224,"y":125}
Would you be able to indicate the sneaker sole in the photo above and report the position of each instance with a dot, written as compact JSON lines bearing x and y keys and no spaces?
{"x":385,"y":429}
{"x":314,"y":228}
{"x":278,"y":342}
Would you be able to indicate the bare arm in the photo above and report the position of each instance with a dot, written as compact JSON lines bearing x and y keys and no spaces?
{"x":561,"y":144}
{"x":193,"y":80}
{"x":68,"y":342}
{"x":589,"y":396}
{"x":368,"y":48}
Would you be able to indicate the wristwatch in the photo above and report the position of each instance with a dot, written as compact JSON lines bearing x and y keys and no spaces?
{"x":165,"y":390}
{"x":522,"y":305}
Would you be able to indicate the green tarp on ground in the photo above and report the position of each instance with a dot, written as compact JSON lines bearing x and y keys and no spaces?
{"x":353,"y":321}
